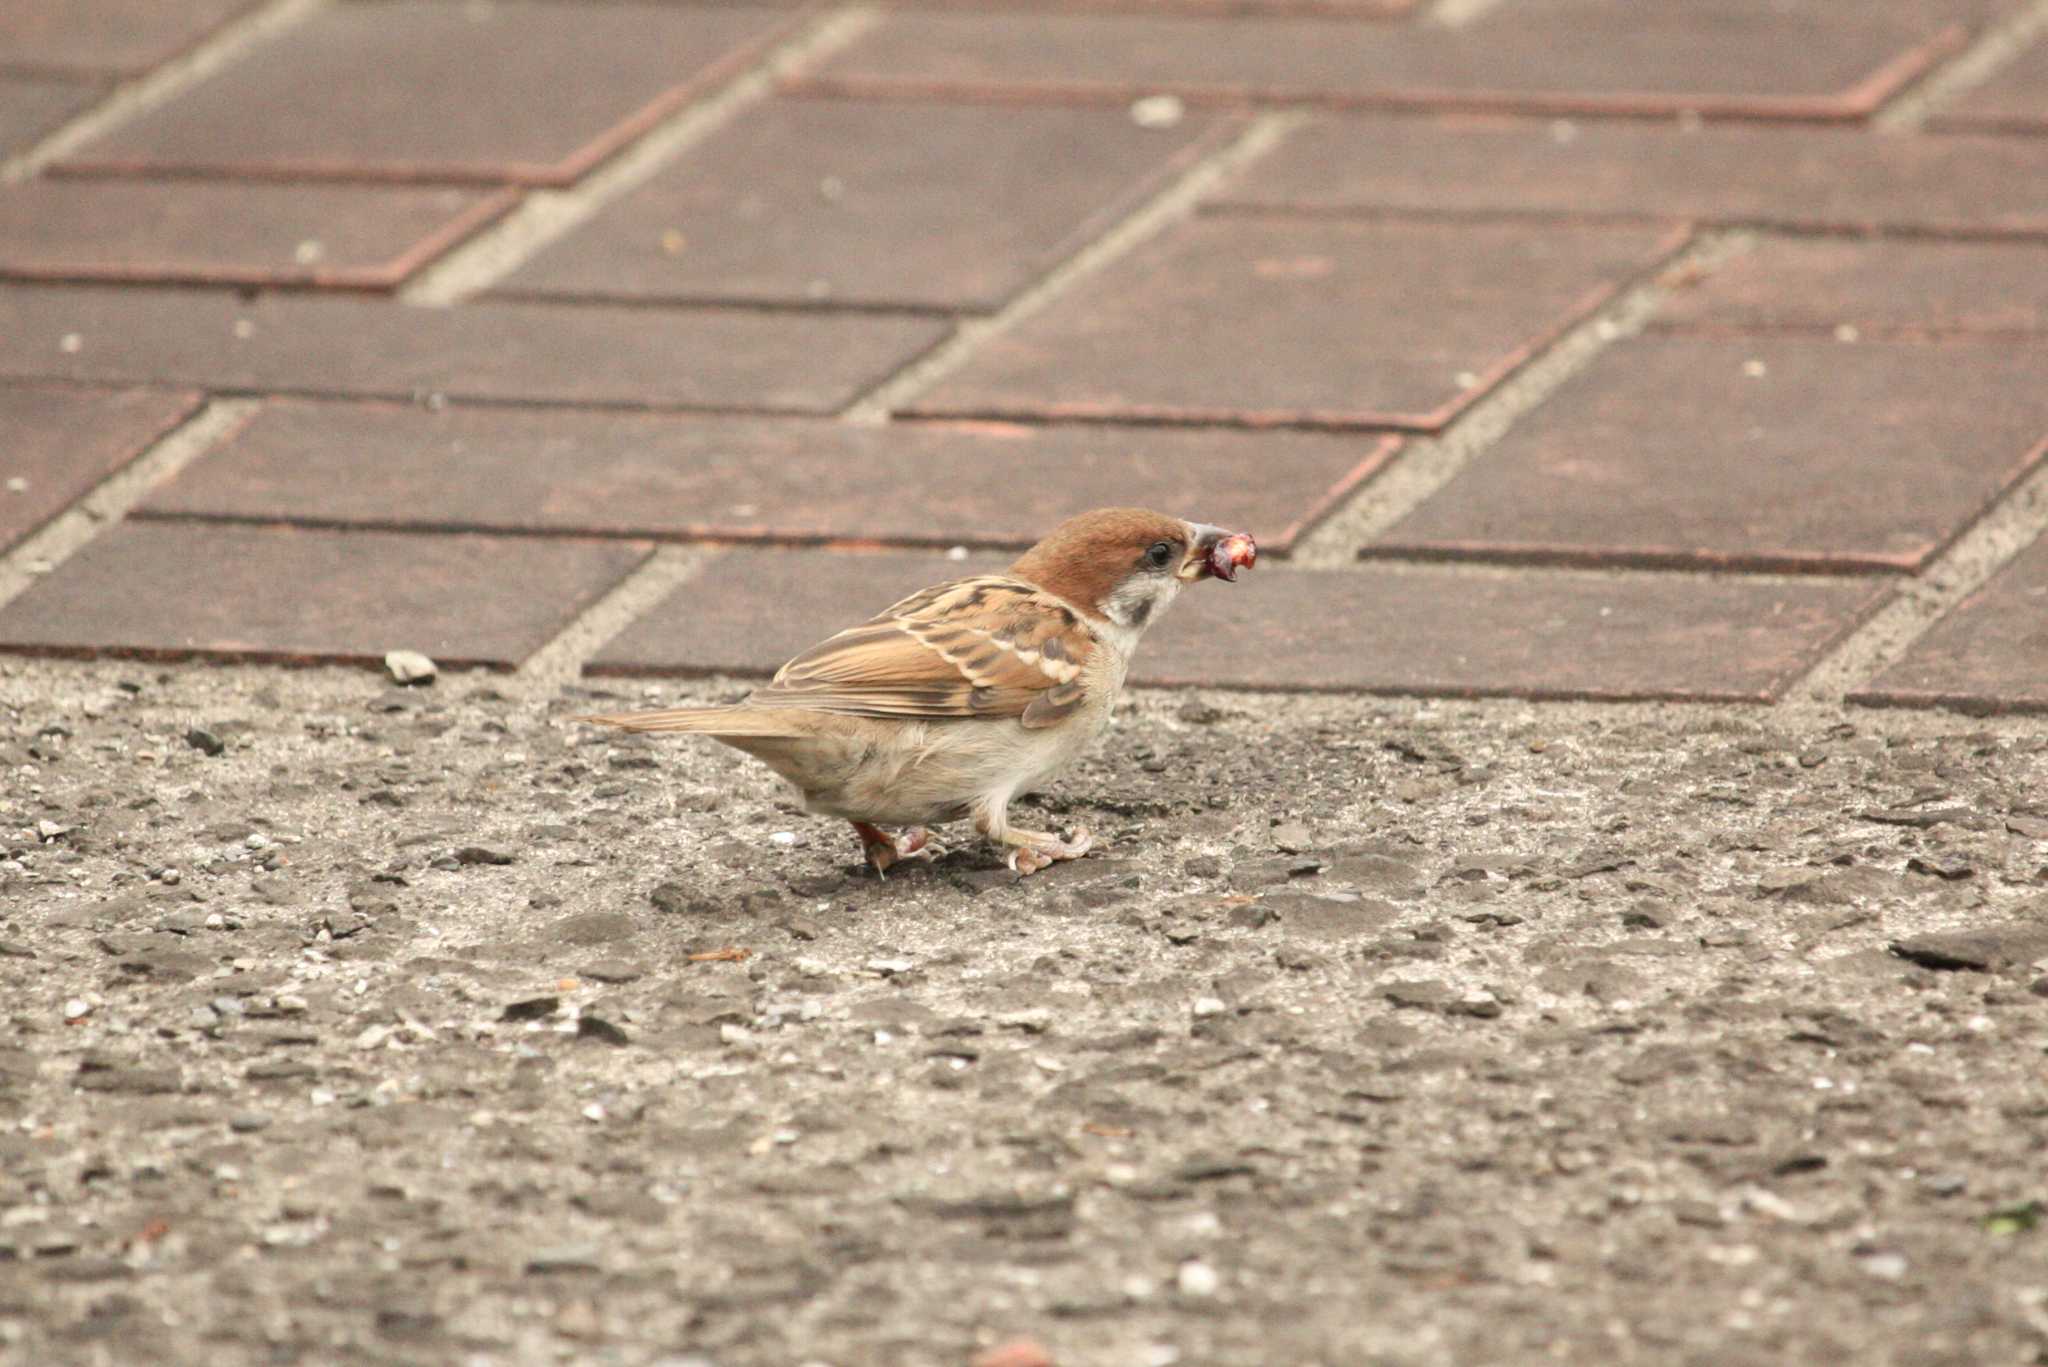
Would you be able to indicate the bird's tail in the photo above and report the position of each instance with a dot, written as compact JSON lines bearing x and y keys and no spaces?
{"x":705,"y":721}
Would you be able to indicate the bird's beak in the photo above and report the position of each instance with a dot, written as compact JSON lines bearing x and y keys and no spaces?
{"x":1215,"y":553}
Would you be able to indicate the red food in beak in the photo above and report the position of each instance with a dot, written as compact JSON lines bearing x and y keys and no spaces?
{"x":1233,"y":551}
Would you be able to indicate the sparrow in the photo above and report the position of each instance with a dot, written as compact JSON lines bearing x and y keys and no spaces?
{"x":956,"y":700}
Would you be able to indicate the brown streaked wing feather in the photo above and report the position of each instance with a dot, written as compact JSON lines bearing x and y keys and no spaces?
{"x":983,"y":647}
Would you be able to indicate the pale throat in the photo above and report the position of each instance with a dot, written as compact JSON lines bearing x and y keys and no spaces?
{"x":1137,"y":602}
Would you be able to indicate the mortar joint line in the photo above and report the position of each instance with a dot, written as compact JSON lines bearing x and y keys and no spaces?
{"x":1148,"y":220}
{"x":561,"y":660}
{"x":1989,"y":53}
{"x":2015,"y":523}
{"x":1426,"y":464}
{"x":544,"y":217}
{"x":107,"y":502}
{"x":138,"y":95}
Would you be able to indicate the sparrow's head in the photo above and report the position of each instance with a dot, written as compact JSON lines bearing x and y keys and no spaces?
{"x":1126,"y":564}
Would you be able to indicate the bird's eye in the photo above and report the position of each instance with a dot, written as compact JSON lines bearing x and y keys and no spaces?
{"x":1160,"y":554}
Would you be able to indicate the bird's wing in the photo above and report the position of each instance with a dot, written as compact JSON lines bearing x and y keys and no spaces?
{"x":989,"y":646}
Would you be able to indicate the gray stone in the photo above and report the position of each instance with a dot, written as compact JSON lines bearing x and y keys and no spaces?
{"x":1985,"y":950}
{"x":1329,"y":919}
{"x":594,"y":928}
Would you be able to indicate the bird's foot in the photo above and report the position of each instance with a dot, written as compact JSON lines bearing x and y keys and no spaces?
{"x":1037,"y":850}
{"x":884,"y":851}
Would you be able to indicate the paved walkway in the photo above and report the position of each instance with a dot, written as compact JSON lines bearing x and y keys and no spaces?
{"x":1595,"y":349}
{"x":1555,"y":347}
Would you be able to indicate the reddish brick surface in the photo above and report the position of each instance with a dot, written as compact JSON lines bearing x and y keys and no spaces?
{"x":1759,"y":453}
{"x":1749,"y":58}
{"x":1877,"y":286}
{"x":1990,"y":654}
{"x":1813,"y":420}
{"x":106,"y":35}
{"x":31,"y":107}
{"x":520,"y":90}
{"x":1379,"y":629}
{"x":2014,"y":100}
{"x":223,"y":233}
{"x":810,"y":201}
{"x":58,"y":442}
{"x":759,"y":479}
{"x":1791,"y":177}
{"x":1269,"y":321}
{"x":508,"y":352}
{"x":168,"y":591}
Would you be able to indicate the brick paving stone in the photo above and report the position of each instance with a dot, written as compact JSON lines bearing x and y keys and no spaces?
{"x":904,"y":204}
{"x":442,"y":90}
{"x":1268,"y":321}
{"x":488,"y":351}
{"x":58,"y":442}
{"x":1791,"y":177}
{"x":111,"y":36}
{"x":31,"y":107}
{"x":1741,"y":58}
{"x":229,"y":233}
{"x":1762,"y":453}
{"x":2014,"y":100}
{"x":163,"y":590}
{"x":938,"y":484}
{"x":1378,"y":629}
{"x":1876,"y":286}
{"x":1989,"y":654}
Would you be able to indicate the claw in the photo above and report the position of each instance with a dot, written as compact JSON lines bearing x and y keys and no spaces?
{"x":1028,"y":859}
{"x":1025,"y":861}
{"x":885,"y":851}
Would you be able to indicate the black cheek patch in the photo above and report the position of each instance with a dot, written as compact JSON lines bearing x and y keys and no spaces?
{"x":1141,"y":611}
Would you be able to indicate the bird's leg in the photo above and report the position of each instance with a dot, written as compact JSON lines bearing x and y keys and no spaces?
{"x":884,"y":850}
{"x":1030,"y":851}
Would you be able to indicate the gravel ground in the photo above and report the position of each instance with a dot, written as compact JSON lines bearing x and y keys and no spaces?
{"x":350,"y":1023}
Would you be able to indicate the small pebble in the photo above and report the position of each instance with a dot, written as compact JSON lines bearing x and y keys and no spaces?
{"x":1292,"y":837}
{"x":1197,"y":1278}
{"x":1158,"y":111}
{"x":409,"y":667}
